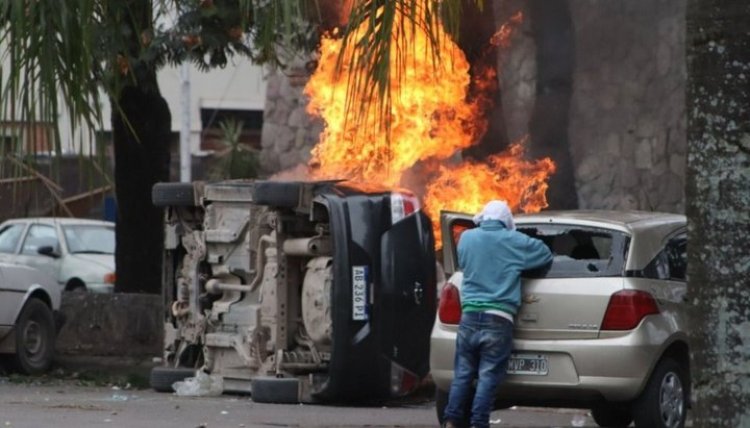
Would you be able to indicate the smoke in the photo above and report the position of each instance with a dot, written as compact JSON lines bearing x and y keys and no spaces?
{"x":300,"y":172}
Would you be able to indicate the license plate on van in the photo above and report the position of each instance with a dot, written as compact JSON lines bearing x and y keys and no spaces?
{"x":359,"y":293}
{"x":528,"y":364}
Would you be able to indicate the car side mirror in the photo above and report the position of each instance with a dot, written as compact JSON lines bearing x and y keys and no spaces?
{"x":48,"y":250}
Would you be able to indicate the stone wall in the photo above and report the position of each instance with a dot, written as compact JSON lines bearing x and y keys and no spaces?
{"x":627,"y":113}
{"x":628,"y":123}
{"x":289,"y":133}
{"x":122,"y":325}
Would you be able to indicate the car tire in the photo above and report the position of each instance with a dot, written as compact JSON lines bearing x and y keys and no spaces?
{"x":162,"y":378}
{"x":277,"y":193}
{"x":275,"y":390}
{"x":664,"y":401}
{"x":35,"y":338}
{"x":612,"y":415}
{"x":441,"y":402}
{"x":173,"y":195}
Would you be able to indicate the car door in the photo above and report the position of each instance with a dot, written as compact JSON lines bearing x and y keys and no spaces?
{"x":11,"y":298}
{"x":10,"y":240}
{"x":41,"y":235}
{"x":665,"y":276}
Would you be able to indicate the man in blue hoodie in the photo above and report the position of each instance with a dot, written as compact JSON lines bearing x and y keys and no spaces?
{"x":492,"y":257}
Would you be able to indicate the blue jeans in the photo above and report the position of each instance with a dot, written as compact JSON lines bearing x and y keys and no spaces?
{"x":483,"y":347}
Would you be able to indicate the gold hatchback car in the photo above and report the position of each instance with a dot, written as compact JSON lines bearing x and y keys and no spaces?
{"x":602,"y":327}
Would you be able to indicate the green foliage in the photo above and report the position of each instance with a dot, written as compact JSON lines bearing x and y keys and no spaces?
{"x":374,"y":27}
{"x":60,"y":54}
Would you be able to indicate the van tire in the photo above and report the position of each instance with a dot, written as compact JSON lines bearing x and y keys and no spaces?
{"x":280,"y":194}
{"x":173,"y":195}
{"x":162,"y":378}
{"x":275,"y":390}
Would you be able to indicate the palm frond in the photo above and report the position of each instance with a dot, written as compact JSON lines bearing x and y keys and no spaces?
{"x":378,"y":34}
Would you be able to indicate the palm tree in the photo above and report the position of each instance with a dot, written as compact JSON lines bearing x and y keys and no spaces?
{"x":718,"y":201}
{"x":62,"y":53}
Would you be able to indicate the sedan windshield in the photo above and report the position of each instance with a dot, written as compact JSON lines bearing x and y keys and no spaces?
{"x":93,"y":239}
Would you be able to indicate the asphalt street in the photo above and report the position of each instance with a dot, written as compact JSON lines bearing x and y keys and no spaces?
{"x":67,"y":404}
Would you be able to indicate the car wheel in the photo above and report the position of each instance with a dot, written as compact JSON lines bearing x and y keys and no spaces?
{"x":173,"y":195}
{"x":275,"y":390}
{"x":441,"y":401}
{"x":663,"y":403}
{"x":162,"y":378}
{"x":35,"y":338}
{"x":610,"y":415}
{"x":284,"y":194}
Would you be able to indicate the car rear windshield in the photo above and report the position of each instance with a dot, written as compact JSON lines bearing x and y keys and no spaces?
{"x":579,"y":251}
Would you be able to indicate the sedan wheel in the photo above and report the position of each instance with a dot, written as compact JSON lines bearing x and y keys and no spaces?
{"x":35,"y":338}
{"x":663,"y":403}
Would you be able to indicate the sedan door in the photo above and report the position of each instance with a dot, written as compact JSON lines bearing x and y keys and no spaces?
{"x":11,"y":298}
{"x":10,"y":240}
{"x":38,"y":236}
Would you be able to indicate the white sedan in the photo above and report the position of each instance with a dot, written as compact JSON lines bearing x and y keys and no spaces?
{"x":78,"y":253}
{"x":29,"y":318}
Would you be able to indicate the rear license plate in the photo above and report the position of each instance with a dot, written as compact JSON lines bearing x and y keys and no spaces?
{"x":528,"y":364}
{"x":359,"y":293}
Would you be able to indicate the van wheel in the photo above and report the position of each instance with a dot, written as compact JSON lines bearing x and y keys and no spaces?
{"x":611,"y":415}
{"x":275,"y":390}
{"x":283,"y":194}
{"x":441,"y":402}
{"x":35,"y":338}
{"x":663,"y":403}
{"x":162,"y":378}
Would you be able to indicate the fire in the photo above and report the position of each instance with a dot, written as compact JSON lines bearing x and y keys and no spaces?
{"x":431,"y":118}
{"x":507,"y":176}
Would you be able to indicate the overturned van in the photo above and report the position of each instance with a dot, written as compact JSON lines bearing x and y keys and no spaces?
{"x":297,"y":291}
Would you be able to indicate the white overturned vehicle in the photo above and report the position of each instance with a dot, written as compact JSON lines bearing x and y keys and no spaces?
{"x":297,"y":291}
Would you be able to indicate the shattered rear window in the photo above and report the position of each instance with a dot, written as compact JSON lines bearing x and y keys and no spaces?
{"x":579,"y":251}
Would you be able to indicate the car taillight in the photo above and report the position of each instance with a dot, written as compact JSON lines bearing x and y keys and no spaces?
{"x":627,"y":308}
{"x":403,"y":204}
{"x":109,"y":278}
{"x":449,"y":310}
{"x":402,"y":381}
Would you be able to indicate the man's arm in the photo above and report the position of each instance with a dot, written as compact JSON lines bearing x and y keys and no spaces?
{"x":537,"y":254}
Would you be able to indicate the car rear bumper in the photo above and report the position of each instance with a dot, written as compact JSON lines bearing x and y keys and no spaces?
{"x":580,"y":371}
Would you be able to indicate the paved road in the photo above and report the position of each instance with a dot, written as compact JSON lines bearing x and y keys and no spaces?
{"x":65,"y":404}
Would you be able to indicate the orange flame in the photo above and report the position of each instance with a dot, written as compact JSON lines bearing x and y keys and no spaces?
{"x":432,"y":118}
{"x":506,"y":176}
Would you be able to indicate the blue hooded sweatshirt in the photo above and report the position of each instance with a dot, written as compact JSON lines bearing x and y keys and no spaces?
{"x":492,"y":258}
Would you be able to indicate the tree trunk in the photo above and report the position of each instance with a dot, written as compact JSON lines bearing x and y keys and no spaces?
{"x":477,"y":27}
{"x":552,"y":30}
{"x":141,"y":128}
{"x":141,"y":160}
{"x":718,"y":210}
